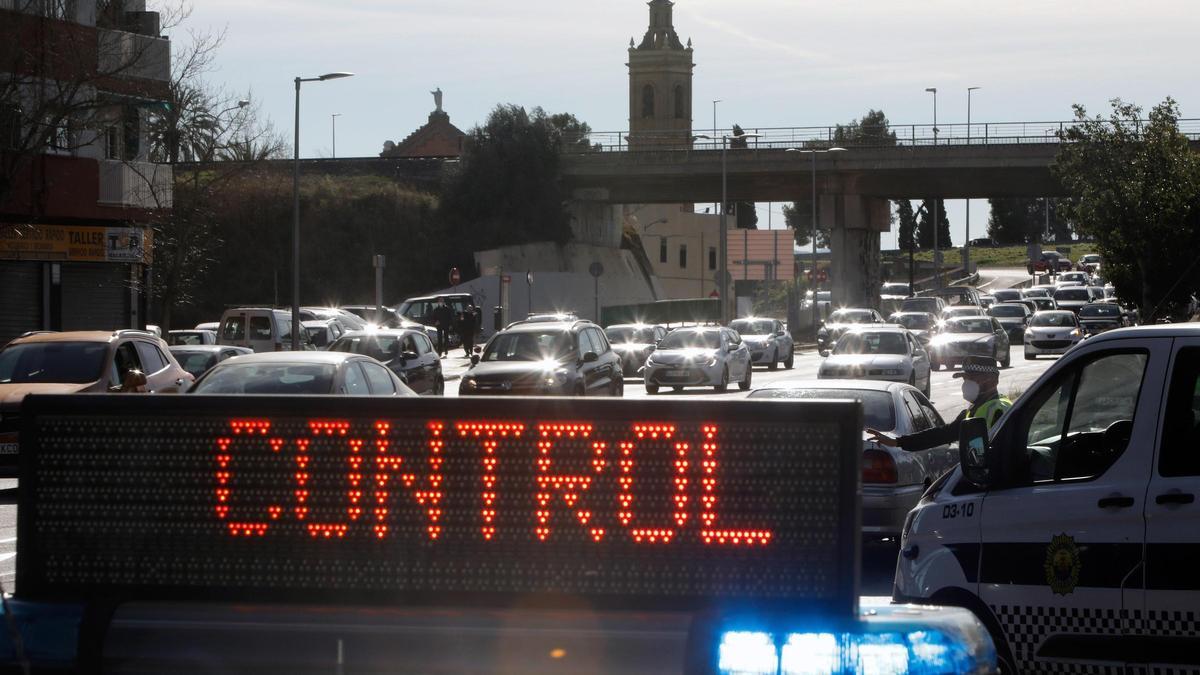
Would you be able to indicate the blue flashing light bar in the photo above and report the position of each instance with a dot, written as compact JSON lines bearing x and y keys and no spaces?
{"x":887,"y":640}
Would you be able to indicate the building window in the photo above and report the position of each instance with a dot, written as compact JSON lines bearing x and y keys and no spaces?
{"x":132,"y":128}
{"x":112,"y":142}
{"x":679,"y":106}
{"x":682,"y":256}
{"x":58,"y":134}
{"x":662,"y":249}
{"x":712,"y":257}
{"x":10,"y":126}
{"x":56,"y":9}
{"x":648,"y":100}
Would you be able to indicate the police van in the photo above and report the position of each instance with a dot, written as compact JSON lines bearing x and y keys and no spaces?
{"x":1073,"y":531}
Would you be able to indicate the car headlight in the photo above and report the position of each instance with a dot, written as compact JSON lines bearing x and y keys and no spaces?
{"x":555,"y":378}
{"x":711,"y":362}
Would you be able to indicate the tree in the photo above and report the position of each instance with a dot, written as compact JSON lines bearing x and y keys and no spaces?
{"x":1017,"y":220}
{"x":506,"y":189}
{"x":798,"y":217}
{"x":1134,"y":186}
{"x":925,"y":226}
{"x":872,"y":129}
{"x":908,"y":224}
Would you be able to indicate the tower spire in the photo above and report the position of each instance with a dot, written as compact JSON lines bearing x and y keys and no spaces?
{"x":661,"y":33}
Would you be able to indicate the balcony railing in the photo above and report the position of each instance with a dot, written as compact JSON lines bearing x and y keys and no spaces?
{"x":125,"y":54}
{"x":142,"y":185}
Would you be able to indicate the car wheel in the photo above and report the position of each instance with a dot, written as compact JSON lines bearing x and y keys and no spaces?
{"x":651,"y":388}
{"x":618,"y":388}
{"x":677,"y":389}
{"x":934,"y":364}
{"x":744,"y":385}
{"x":912,"y":380}
{"x":774,"y":360}
{"x":439,"y":387}
{"x":724,"y":385}
{"x":1006,"y":362}
{"x":1030,"y":357}
{"x":928,"y":385}
{"x":579,"y":390}
{"x":791,"y":359}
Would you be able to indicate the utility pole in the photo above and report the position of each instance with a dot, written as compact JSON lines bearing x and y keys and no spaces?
{"x":967,"y":243}
{"x":937,"y":258}
{"x":333,"y":123}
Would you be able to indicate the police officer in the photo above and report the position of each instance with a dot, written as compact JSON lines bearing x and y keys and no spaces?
{"x":980,"y":378}
{"x":468,"y":322}
{"x":443,"y":320}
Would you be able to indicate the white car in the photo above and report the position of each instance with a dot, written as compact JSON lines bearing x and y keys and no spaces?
{"x":191,"y":337}
{"x":959,"y":311}
{"x":324,"y":332}
{"x":1081,"y":278}
{"x":699,"y":357}
{"x":768,"y":342}
{"x":889,"y":353}
{"x":1052,"y":333}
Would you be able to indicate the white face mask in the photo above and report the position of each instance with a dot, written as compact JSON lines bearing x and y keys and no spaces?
{"x":970,"y":390}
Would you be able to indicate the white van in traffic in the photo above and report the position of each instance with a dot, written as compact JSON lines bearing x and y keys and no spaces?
{"x":1073,"y":533}
{"x":260,"y":329}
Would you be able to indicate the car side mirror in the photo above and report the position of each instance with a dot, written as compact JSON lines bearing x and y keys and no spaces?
{"x":824,"y":353}
{"x":474,"y":359}
{"x":590,"y":357}
{"x":408,"y":356}
{"x":135,"y":380}
{"x":781,"y":333}
{"x":974,"y":454}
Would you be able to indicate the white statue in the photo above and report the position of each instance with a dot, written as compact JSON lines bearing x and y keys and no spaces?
{"x":437,"y":98}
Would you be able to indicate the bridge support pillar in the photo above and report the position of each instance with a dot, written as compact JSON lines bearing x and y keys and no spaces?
{"x":855,"y":223}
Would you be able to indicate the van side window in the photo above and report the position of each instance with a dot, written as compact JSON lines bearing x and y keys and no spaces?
{"x":1081,"y":424}
{"x":260,"y":328}
{"x":1180,"y":453}
{"x":234,"y":328}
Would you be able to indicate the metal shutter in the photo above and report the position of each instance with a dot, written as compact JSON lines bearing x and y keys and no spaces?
{"x":95,"y":296}
{"x":20,"y":298}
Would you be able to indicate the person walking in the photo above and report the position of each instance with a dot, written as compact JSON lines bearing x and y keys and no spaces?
{"x":467,"y":324}
{"x":443,"y":320}
{"x":981,"y":378}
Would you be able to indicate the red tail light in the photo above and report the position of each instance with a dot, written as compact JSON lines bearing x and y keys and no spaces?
{"x":878,"y":467}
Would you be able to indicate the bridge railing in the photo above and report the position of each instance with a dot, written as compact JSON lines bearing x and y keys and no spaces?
{"x":905,"y":135}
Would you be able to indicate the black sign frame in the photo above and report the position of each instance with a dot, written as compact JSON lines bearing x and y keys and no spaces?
{"x":841,"y":602}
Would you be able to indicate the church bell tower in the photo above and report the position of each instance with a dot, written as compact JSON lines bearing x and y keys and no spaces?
{"x":660,"y":84}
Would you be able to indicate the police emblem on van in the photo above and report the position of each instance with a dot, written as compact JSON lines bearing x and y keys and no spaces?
{"x":1062,"y":564}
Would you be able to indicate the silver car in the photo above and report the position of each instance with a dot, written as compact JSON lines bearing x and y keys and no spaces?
{"x":892,"y":479}
{"x":698,"y":357}
{"x":1052,"y":333}
{"x":768,"y":342}
{"x":889,"y":353}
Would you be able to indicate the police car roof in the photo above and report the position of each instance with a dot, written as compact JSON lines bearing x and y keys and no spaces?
{"x":543,"y":326}
{"x":333,"y":358}
{"x":1157,"y":330}
{"x":386,"y":332}
{"x":876,"y":328}
{"x":203,"y":349}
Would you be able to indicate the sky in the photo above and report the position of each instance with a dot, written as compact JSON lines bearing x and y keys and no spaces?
{"x":772,"y":63}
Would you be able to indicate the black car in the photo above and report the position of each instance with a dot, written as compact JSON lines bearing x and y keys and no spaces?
{"x":407,"y":352}
{"x":1098,"y":317}
{"x":633,"y":342}
{"x":1014,"y":317}
{"x":198,"y":359}
{"x":558,"y":358}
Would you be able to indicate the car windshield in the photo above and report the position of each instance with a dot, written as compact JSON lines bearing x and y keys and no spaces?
{"x":851,"y":316}
{"x":1005,"y":295}
{"x":691,"y":339}
{"x":1007,"y":310}
{"x":921,"y":304}
{"x":1075,"y":294}
{"x":872,"y":343}
{"x":185,"y":338}
{"x":878,"y":412}
{"x":1053,"y":319}
{"x":894,"y":289}
{"x":58,"y":362}
{"x":1100,"y":310}
{"x":748,"y":327}
{"x":1043,"y":303}
{"x":529,"y":346}
{"x":915,"y":321}
{"x":969,"y":325}
{"x":196,"y":363}
{"x":1089,"y":259}
{"x":1035,"y":293}
{"x":268,"y":378}
{"x":619,"y":334}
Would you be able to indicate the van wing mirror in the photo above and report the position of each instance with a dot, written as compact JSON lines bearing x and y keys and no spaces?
{"x":974,"y":454}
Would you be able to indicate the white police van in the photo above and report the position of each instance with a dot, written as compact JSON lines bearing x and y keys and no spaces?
{"x":1073,"y":532}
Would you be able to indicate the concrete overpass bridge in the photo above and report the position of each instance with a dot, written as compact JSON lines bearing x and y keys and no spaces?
{"x":853,"y":187}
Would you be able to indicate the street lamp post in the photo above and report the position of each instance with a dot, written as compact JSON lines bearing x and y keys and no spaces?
{"x":333,"y":124}
{"x":937,"y":258}
{"x":967,"y":242}
{"x":296,"y":207}
{"x":813,"y":268}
